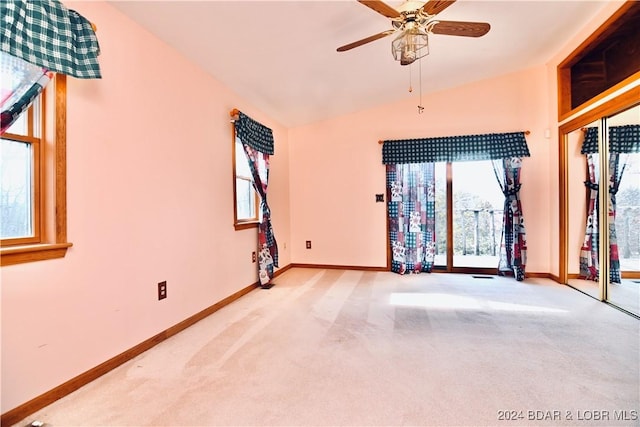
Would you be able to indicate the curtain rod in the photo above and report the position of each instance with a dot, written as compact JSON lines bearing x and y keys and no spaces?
{"x":234,"y":114}
{"x":526,"y":132}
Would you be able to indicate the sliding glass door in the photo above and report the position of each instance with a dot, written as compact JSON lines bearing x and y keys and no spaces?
{"x":469,"y":214}
{"x":477,"y":215}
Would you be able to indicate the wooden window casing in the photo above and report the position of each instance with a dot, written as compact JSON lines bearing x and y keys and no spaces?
{"x":50,"y":173}
{"x":242,"y":223}
{"x":35,"y":124}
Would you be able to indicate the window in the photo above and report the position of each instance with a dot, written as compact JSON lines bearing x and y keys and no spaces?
{"x":20,"y":199}
{"x":33,"y":165}
{"x":246,"y":197}
{"x":627,"y":217}
{"x":627,"y":210}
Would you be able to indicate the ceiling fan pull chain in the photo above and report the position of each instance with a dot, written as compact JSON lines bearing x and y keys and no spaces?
{"x":410,"y":87}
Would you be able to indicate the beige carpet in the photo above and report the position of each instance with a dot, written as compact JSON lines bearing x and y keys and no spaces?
{"x":333,"y":347}
{"x":625,"y":295}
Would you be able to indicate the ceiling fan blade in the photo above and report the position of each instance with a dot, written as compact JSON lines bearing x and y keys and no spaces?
{"x":381,"y":7}
{"x":433,"y":7}
{"x":458,"y":28}
{"x":365,"y":40}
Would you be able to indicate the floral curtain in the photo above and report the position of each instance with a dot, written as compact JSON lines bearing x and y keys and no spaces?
{"x":589,"y":264}
{"x":411,"y":205}
{"x":622,"y":140}
{"x":513,"y":247}
{"x":617,"y":165}
{"x":257,"y":141}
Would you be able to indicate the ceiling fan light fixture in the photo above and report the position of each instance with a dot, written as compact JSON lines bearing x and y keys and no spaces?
{"x":411,"y":44}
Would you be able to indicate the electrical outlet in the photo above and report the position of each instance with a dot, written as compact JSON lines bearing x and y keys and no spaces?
{"x":162,"y":290}
{"x":379,"y":198}
{"x":254,"y":257}
{"x":308,"y":244}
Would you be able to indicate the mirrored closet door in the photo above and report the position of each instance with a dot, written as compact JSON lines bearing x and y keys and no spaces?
{"x":624,"y":209}
{"x":583,"y":177}
{"x":602,"y":228}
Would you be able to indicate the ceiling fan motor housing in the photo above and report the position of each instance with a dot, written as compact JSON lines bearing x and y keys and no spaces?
{"x":412,"y":18}
{"x":415,"y":20}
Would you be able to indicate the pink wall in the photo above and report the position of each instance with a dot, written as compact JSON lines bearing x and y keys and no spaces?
{"x":336,"y":166}
{"x":149,"y":199}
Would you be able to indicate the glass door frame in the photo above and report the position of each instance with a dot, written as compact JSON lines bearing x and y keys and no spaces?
{"x":449,"y":267}
{"x":620,"y":103}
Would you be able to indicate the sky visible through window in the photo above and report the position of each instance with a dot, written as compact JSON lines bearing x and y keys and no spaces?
{"x":477,"y":214}
{"x":478,"y":178}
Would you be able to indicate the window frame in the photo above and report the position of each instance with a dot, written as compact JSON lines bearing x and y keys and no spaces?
{"x":50,"y":207}
{"x":242,"y":223}
{"x":34,"y":139}
{"x":449,"y":265}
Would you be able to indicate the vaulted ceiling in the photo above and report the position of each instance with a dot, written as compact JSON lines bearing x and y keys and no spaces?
{"x":281,"y":55}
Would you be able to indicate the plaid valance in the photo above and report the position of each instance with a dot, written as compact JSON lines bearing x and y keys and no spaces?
{"x":47,"y":34}
{"x":622,"y":139}
{"x":455,"y":148}
{"x":254,"y":134}
{"x":590,"y":143}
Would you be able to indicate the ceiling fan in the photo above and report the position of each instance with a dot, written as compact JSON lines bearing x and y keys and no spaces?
{"x":415,"y":21}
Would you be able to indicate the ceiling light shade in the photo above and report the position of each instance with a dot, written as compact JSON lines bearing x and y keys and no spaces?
{"x":411,"y":44}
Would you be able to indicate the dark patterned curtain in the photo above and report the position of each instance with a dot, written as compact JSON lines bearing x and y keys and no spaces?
{"x":617,"y":165}
{"x":257,"y":141}
{"x":513,"y":246}
{"x":590,"y":142}
{"x":589,"y":264}
{"x":455,"y":148}
{"x":622,"y":140}
{"x":47,"y":34}
{"x":411,"y":206}
{"x":48,"y":38}
{"x":506,"y":148}
{"x":22,"y":82}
